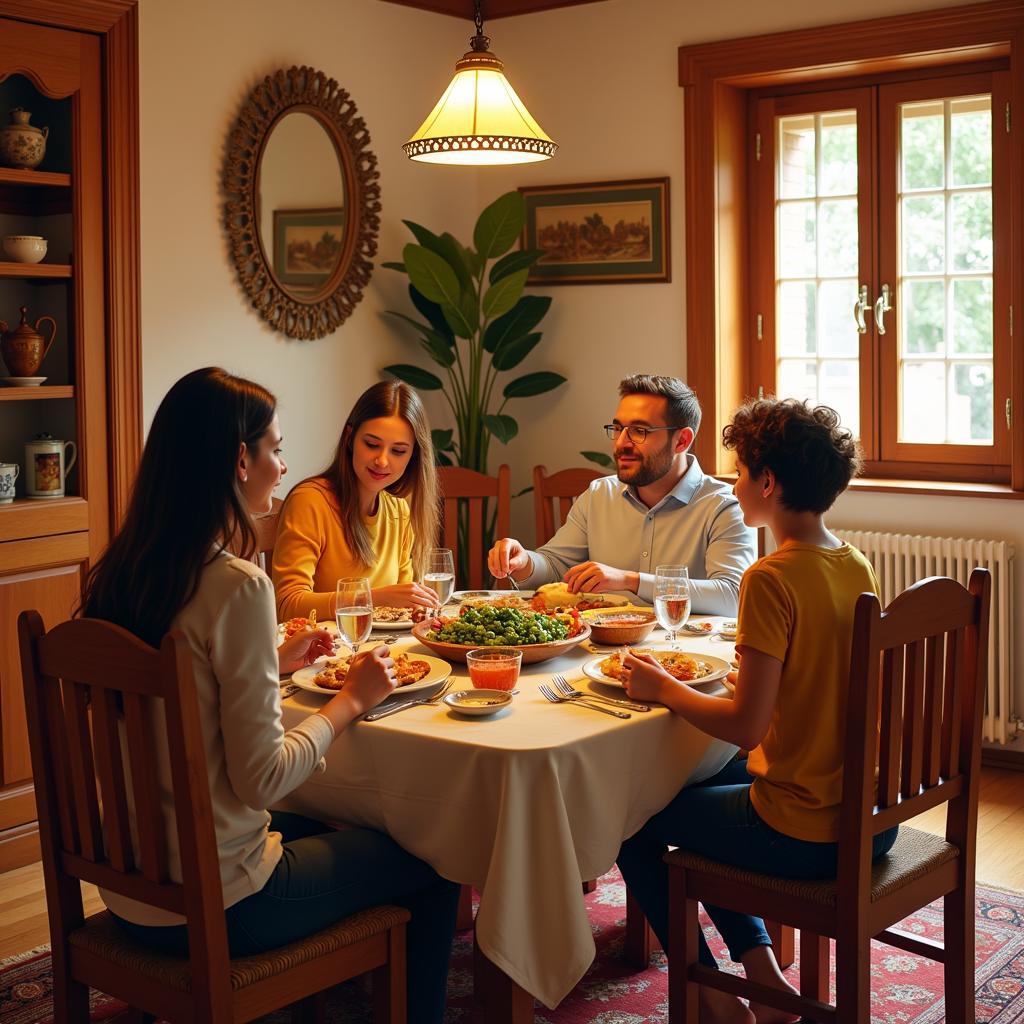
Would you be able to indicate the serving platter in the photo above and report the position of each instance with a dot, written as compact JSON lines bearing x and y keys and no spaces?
{"x":532,"y":653}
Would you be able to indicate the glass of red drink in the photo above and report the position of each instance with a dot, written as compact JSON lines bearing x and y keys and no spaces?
{"x":494,"y":668}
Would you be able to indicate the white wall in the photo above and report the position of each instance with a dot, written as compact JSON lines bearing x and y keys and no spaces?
{"x":600,"y":78}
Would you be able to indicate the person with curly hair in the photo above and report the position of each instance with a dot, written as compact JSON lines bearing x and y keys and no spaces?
{"x":778,"y":811}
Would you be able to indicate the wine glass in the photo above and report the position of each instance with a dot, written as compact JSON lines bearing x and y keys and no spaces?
{"x":440,"y":574}
{"x":672,"y":598}
{"x":353,"y":610}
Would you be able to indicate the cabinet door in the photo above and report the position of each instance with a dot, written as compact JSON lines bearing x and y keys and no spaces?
{"x":47,"y":576}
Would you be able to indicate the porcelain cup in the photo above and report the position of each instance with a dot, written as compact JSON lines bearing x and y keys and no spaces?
{"x":8,"y":474}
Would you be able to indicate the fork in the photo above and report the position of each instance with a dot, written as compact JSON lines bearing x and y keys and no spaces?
{"x":556,"y":699}
{"x":565,"y":687}
{"x":511,"y":581}
{"x":375,"y":716}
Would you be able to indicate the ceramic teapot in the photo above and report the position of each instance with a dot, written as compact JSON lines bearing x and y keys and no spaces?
{"x":22,"y":144}
{"x":24,"y":348}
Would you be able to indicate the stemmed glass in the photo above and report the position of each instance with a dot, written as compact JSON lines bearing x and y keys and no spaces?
{"x":440,"y":574}
{"x":353,"y":610}
{"x":672,"y":598}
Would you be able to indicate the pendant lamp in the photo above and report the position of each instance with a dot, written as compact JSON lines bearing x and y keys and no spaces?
{"x":479,"y":119}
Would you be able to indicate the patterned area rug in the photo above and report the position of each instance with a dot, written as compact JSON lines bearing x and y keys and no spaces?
{"x":905,"y":989}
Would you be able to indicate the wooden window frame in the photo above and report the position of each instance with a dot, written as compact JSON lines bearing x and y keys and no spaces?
{"x":718,"y":80}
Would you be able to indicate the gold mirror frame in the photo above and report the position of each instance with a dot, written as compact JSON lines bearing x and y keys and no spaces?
{"x":308,"y":91}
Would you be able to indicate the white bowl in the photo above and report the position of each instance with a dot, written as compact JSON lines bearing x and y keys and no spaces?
{"x":25,"y":248}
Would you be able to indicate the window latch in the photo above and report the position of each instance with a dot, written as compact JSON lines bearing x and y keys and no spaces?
{"x":859,"y":309}
{"x":882,"y":307}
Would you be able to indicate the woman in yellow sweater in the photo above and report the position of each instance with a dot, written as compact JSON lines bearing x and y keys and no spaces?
{"x":372,"y":512}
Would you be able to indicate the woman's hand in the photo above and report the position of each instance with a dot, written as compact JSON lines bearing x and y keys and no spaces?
{"x":646,"y":679}
{"x":304,"y":648}
{"x":370,"y":678}
{"x":405,"y":595}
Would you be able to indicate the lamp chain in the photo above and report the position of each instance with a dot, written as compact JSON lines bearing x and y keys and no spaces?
{"x":479,"y":43}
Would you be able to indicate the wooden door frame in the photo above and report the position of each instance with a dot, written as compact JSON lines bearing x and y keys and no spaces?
{"x":116,"y":22}
{"x":717,"y":79}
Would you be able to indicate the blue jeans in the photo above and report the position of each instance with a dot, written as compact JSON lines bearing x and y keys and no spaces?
{"x":717,"y":820}
{"x":324,"y":875}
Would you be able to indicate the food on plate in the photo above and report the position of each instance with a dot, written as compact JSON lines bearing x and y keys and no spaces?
{"x":487,"y":626}
{"x":300,"y":624}
{"x":509,"y":600}
{"x":335,"y":670}
{"x":680,"y":666}
{"x":558,"y":595}
{"x":698,"y":627}
{"x":388,"y":613}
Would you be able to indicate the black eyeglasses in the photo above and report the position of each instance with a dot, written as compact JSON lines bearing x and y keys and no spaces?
{"x":636,"y":434}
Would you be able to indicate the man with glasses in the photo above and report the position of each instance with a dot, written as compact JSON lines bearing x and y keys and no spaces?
{"x":658,"y":509}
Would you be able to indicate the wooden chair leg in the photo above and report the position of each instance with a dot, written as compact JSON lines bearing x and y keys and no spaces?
{"x":958,"y":966}
{"x":814,"y":966}
{"x":589,"y":885}
{"x":464,"y":915}
{"x":853,"y":979}
{"x":311,"y":1010}
{"x":389,"y":982}
{"x":782,"y":937}
{"x":70,"y":999}
{"x":640,"y":939}
{"x":683,"y":994}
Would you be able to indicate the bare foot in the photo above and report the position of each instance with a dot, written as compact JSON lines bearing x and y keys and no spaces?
{"x":721,"y":1008}
{"x":760,"y":965}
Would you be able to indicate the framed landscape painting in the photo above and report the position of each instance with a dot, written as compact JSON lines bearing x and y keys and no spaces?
{"x":612,"y":232}
{"x":307,"y":245}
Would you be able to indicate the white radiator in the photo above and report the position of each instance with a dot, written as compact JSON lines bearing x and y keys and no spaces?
{"x":901,"y":559}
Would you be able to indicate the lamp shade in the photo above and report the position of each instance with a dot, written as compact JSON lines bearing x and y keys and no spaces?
{"x":480,"y":120}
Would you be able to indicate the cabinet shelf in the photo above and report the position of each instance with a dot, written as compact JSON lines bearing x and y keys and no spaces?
{"x":10,"y":394}
{"x":25,"y":518}
{"x":34,"y":179}
{"x":40,"y":271}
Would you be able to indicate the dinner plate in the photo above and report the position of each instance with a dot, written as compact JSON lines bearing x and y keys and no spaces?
{"x":694,"y":628}
{"x":439,"y":672}
{"x":328,"y":624}
{"x":719,"y":669}
{"x":485,"y":595}
{"x":385,"y":626}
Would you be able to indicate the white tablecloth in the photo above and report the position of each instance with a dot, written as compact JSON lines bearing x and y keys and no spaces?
{"x":523,"y":805}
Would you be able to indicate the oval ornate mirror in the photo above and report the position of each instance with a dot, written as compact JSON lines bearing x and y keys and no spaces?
{"x":303,"y":202}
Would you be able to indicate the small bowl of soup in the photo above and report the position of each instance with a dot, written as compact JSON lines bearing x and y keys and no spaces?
{"x":494,"y":668}
{"x":618,"y":628}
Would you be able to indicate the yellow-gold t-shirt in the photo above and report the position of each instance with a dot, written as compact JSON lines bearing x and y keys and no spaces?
{"x":311,"y":553}
{"x":797,"y":605}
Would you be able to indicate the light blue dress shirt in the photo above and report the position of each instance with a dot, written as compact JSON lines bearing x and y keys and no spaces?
{"x":697,"y":524}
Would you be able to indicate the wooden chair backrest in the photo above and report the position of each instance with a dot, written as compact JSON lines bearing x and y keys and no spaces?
{"x":915,"y":702}
{"x":84,"y":681}
{"x":475,"y":490}
{"x":266,"y":535}
{"x":560,"y":488}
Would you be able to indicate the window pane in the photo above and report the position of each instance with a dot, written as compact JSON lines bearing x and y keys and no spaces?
{"x":839,"y":388}
{"x":923,"y":145}
{"x":839,"y":153}
{"x":923,"y":394}
{"x":797,"y":235}
{"x":838,"y":238}
{"x":972,"y":316}
{"x":971,"y":140}
{"x":797,"y":317}
{"x":972,"y":231}
{"x":798,"y":379}
{"x":924,"y":234}
{"x":970,"y":404}
{"x":796,"y":157}
{"x":924,"y":317}
{"x":837,"y":333}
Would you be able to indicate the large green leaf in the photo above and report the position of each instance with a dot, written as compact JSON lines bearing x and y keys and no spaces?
{"x":603,"y":459}
{"x":442,"y":440}
{"x":463,"y":319}
{"x":501,"y":297}
{"x":431,"y":274}
{"x":439,"y":350}
{"x":522,"y":260}
{"x":504,"y":428}
{"x":519,"y":320}
{"x":442,"y":459}
{"x":512,"y":353}
{"x":415,"y":375}
{"x":432,"y":311}
{"x":461,"y":258}
{"x":533,"y":384}
{"x":445,"y":246}
{"x":499,"y":225}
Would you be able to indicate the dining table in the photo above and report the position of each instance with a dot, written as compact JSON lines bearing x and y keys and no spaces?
{"x":522,"y":805}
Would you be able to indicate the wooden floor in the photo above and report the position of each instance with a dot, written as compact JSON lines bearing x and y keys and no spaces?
{"x":1000,"y":862}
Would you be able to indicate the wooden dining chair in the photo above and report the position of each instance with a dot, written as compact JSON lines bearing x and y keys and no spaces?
{"x":92,"y":691}
{"x":553,"y":497}
{"x":466,"y":495}
{"x":913,"y":722}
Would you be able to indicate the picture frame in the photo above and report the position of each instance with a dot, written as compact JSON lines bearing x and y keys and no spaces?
{"x":628,"y":243}
{"x":308,"y":245}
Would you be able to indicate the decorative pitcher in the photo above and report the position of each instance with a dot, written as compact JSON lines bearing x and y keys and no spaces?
{"x":24,"y":348}
{"x":22,"y":144}
{"x":45,"y":466}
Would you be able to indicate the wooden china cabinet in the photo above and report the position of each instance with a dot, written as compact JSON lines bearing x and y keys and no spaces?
{"x":74,"y":66}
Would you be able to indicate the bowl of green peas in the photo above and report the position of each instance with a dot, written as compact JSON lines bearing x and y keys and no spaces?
{"x":539,"y":636}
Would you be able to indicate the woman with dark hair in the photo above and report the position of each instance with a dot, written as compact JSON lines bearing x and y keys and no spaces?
{"x":372,"y":512}
{"x":212,"y":458}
